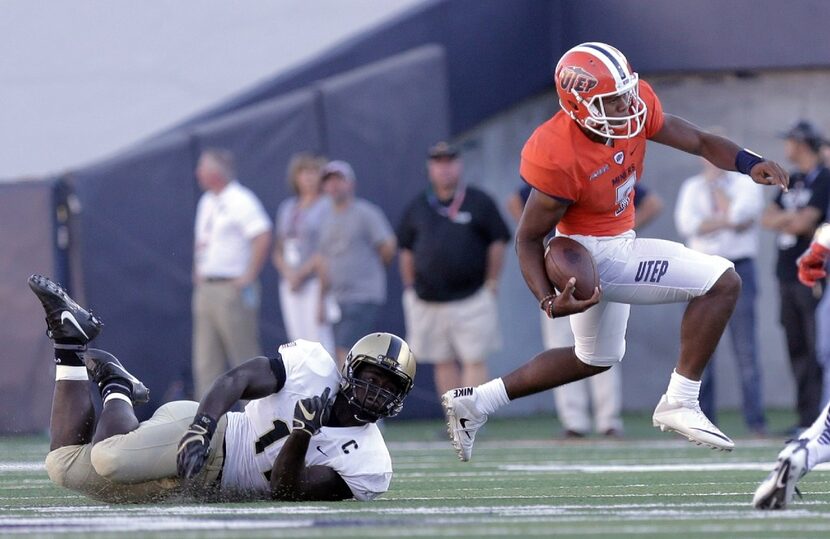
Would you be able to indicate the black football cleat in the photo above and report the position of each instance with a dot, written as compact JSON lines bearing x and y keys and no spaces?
{"x":103,"y":367}
{"x":66,"y":321}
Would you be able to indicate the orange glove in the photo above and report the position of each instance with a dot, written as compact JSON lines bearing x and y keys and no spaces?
{"x":811,"y":264}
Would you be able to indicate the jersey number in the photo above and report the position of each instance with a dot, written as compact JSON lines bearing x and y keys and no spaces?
{"x":624,"y":192}
{"x":279,"y":432}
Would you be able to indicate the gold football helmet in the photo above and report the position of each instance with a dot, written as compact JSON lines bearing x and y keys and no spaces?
{"x":394,"y":360}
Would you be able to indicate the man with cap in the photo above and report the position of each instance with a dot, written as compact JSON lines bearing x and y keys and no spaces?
{"x":356,"y":243}
{"x":452,"y":239}
{"x":794,"y":214}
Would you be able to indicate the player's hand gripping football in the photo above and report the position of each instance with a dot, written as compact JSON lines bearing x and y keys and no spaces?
{"x":811,"y":264}
{"x":770,"y":173}
{"x":194,"y":446}
{"x":312,"y":413}
{"x":565,"y":303}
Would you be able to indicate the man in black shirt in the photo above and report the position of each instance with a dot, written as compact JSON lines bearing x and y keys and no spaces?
{"x":452,"y":240}
{"x":794,"y":215}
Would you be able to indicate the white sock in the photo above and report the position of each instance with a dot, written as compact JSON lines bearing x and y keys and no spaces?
{"x":64,"y":372}
{"x":491,"y":396}
{"x":119,"y":396}
{"x":681,"y":389}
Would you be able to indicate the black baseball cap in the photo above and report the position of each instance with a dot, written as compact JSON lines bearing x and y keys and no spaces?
{"x":442,"y":149}
{"x":805,"y":132}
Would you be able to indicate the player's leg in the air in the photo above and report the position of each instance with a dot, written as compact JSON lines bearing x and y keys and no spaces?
{"x":71,"y":328}
{"x":467,"y":408}
{"x":703,"y":324}
{"x":74,"y":433}
{"x":120,"y":390}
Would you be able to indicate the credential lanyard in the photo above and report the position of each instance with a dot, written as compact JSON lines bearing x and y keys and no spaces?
{"x":450,"y":211}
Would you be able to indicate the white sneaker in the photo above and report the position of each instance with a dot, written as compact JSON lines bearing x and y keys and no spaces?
{"x":777,"y":490}
{"x":463,"y":419}
{"x":688,"y":420}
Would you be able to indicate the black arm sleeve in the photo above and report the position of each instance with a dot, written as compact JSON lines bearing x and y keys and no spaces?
{"x":278,"y":368}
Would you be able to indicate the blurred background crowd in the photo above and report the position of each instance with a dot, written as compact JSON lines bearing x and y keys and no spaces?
{"x":374,"y":186}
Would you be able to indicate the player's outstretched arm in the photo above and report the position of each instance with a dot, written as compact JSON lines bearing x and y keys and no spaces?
{"x":291,"y":479}
{"x":721,"y":152}
{"x":254,"y":379}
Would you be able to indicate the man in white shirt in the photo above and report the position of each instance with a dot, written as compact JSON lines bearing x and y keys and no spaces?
{"x":232,"y":241}
{"x":718,"y":213}
{"x":308,"y":431}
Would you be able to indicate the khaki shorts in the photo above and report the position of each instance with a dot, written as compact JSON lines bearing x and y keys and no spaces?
{"x":466,"y":329}
{"x":136,"y":467}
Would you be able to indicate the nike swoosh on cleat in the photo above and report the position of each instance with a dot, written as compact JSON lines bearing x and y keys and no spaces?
{"x":721,"y":436}
{"x":463,"y":421}
{"x":66,"y":315}
{"x":321,"y":451}
{"x":308,"y":415}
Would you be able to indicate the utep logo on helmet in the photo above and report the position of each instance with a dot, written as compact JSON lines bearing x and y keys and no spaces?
{"x":574,"y":78}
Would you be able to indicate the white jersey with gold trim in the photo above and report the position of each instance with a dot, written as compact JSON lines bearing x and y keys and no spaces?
{"x":254,"y":438}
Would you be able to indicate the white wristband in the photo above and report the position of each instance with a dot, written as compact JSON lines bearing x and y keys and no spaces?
{"x":822,"y":235}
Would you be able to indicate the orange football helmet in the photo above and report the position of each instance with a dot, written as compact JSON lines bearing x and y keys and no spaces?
{"x":587,"y":74}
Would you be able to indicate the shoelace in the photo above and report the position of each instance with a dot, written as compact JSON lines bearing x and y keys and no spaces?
{"x":695,"y":407}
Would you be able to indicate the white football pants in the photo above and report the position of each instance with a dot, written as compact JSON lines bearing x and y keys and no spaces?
{"x":639,"y":272}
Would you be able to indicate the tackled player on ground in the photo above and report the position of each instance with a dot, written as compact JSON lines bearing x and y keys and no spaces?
{"x":308,"y":431}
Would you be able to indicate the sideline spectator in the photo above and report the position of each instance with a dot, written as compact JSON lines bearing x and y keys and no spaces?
{"x":795,"y":215}
{"x":717,"y":213}
{"x":356,"y":242}
{"x":452,"y":248}
{"x":232,"y":239}
{"x":298,"y":223}
{"x":602,"y":393}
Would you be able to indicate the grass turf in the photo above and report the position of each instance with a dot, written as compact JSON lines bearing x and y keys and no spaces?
{"x":522,"y":482}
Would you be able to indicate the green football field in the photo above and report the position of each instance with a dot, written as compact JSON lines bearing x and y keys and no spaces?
{"x":522,"y":482}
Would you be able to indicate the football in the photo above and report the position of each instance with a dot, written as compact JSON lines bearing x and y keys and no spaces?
{"x":566,"y":258}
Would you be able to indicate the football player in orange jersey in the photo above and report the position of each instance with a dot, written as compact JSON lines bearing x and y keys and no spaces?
{"x":583,"y":164}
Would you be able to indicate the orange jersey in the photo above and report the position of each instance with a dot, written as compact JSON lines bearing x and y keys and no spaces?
{"x":595,"y":179}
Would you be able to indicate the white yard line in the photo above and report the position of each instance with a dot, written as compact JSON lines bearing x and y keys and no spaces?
{"x":133,"y":524}
{"x":606,"y":468}
{"x":106,"y":514}
{"x":668,"y":443}
{"x":21,"y":466}
{"x":628,"y":518}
